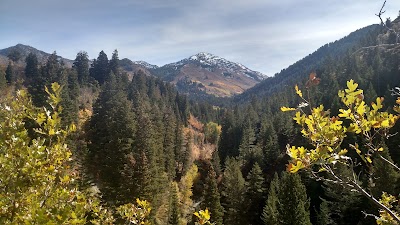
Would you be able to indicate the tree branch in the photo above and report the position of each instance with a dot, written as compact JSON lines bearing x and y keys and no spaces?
{"x":391,"y":163}
{"x":376,"y":201}
{"x":381,"y":12}
{"x":352,"y":183}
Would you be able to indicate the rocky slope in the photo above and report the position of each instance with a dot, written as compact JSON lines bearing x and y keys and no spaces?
{"x":209,"y":74}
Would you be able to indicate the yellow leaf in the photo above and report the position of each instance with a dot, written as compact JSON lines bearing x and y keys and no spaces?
{"x":378,"y":104}
{"x":343,"y":152}
{"x":298,"y":117}
{"x":385,"y":123}
{"x":294,"y":168}
{"x":380,"y":149}
{"x":284,"y":109}
{"x":344,"y":113}
{"x":302,"y":151}
{"x":351,"y":86}
{"x":368,"y":159}
{"x":72,"y":128}
{"x":298,"y":92}
{"x":292,"y":152}
{"x":361,"y":108}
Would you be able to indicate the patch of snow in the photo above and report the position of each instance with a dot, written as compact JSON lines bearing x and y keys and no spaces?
{"x":146,"y":64}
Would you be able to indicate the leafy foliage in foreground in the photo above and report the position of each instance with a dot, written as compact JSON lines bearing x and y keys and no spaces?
{"x":38,"y":179}
{"x":38,"y":183}
{"x":326,"y":134}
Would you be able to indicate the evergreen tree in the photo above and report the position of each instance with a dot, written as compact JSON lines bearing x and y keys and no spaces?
{"x":287,"y":201}
{"x":212,"y":198}
{"x":249,"y":151}
{"x":254,"y":195}
{"x":216,"y":162}
{"x":174,"y":207}
{"x":148,"y":141}
{"x":323,"y":216}
{"x":70,"y":96}
{"x":114,"y":63}
{"x":32,"y":67}
{"x":3,"y":80}
{"x":293,"y":204}
{"x":53,"y":70}
{"x":187,"y":158}
{"x":111,"y":136}
{"x":81,"y":65}
{"x":10,"y":73}
{"x":142,"y":176}
{"x":100,"y":69}
{"x":233,"y":193}
{"x":230,"y":139}
{"x":169,"y":143}
{"x":270,"y":215}
{"x":268,"y":140}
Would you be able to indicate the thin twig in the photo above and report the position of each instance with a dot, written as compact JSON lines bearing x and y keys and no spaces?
{"x":391,"y":163}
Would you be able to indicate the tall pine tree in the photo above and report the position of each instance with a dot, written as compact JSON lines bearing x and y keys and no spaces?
{"x":100,"y":69}
{"x":3,"y":80}
{"x":111,"y":137}
{"x":254,"y":197}
{"x":287,"y":202}
{"x":212,"y":198}
{"x":233,"y":193}
{"x":174,"y":207}
{"x":270,"y":215}
{"x":10,"y":73}
{"x":81,"y":65}
{"x":32,"y":67}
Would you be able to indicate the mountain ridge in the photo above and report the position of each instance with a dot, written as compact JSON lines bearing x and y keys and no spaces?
{"x":202,"y":74}
{"x":25,"y":50}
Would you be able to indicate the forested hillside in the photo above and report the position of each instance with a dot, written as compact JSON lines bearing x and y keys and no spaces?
{"x":92,"y":144}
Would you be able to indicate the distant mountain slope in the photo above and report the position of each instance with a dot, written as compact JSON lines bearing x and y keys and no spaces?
{"x":299,"y":71}
{"x":132,"y":67}
{"x":25,"y":50}
{"x":207,"y":73}
{"x":202,"y":74}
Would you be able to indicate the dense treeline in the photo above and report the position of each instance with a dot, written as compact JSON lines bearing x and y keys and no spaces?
{"x":137,"y":137}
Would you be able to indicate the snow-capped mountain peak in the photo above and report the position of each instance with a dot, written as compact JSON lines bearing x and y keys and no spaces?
{"x":208,"y":59}
{"x":146,"y":64}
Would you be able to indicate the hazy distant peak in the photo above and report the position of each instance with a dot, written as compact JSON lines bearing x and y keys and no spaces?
{"x":25,"y":50}
{"x":145,"y":64}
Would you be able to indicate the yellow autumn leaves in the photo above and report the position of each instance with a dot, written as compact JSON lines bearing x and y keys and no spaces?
{"x":203,"y":217}
{"x":327,"y":133}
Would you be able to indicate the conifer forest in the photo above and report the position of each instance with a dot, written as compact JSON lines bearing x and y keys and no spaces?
{"x":92,"y":142}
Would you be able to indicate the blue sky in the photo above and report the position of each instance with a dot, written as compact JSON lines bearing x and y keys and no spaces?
{"x":264,"y":35}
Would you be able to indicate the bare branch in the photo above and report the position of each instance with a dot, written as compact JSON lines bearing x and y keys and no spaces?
{"x":376,"y":201}
{"x":371,"y":215}
{"x":381,"y":12}
{"x":391,"y":163}
{"x":352,"y":182}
